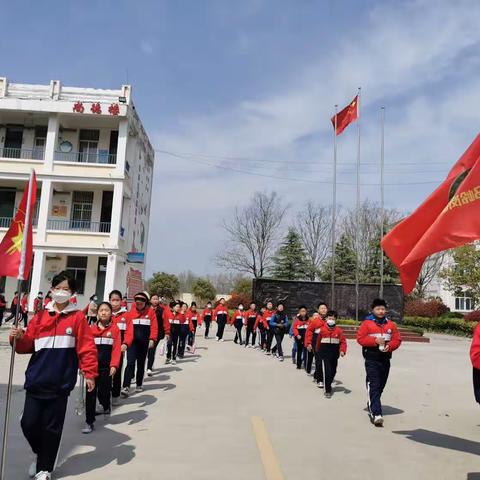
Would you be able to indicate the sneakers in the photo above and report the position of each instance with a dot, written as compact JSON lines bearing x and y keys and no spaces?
{"x":167,"y":361}
{"x":320,"y":384}
{"x":221,"y":339}
{"x":125,"y":392}
{"x":138,"y":389}
{"x":103,"y":411}
{"x":328,"y":394}
{"x":248,"y":346}
{"x":115,"y":401}
{"x":32,"y":469}
{"x":43,"y":476}
{"x":174,"y":362}
{"x":268,"y":353}
{"x":218,"y":339}
{"x":87,"y":429}
{"x":280,"y":359}
{"x":378,"y":421}
{"x":149,"y":373}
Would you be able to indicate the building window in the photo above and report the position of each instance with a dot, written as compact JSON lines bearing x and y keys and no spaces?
{"x":39,"y":143}
{"x":88,"y":146}
{"x":77,"y":267}
{"x":464,"y":304}
{"x":81,"y":216}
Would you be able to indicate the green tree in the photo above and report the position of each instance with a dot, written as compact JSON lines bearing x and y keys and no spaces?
{"x":243,"y":286}
{"x":290,"y":262}
{"x":203,"y":289}
{"x":462,"y":276}
{"x":345,"y":261}
{"x":164,"y":284}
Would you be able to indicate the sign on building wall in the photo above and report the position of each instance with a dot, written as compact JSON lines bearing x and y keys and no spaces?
{"x":134,"y":282}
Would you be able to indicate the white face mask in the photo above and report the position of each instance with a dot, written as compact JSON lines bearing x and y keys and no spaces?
{"x":331,"y":323}
{"x":60,"y":296}
{"x":240,"y":308}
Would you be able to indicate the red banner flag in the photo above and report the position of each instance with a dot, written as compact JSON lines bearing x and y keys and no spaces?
{"x":14,"y":240}
{"x":346,"y":116}
{"x":450,"y":217}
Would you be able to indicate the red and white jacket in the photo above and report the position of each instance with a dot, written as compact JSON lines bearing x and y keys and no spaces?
{"x":331,"y":338}
{"x":124,"y":323}
{"x":300,"y":326}
{"x":206,"y":312}
{"x":262,"y":320}
{"x":314,"y":326}
{"x":370,"y":330}
{"x":251,"y":315}
{"x":181,"y":319}
{"x":61,"y":343}
{"x":145,"y":325}
{"x":108,"y":344}
{"x":220,"y":310}
{"x":191,"y":316}
{"x":475,"y":348}
{"x":239,"y":315}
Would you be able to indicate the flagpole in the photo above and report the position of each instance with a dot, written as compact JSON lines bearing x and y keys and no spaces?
{"x":382,"y":196}
{"x":334,"y":206}
{"x":357,"y":235}
{"x":20,"y":278}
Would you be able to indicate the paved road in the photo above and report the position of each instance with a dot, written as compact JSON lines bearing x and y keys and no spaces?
{"x":195,"y":421}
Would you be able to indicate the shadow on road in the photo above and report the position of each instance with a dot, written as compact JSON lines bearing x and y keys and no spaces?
{"x":436,"y":439}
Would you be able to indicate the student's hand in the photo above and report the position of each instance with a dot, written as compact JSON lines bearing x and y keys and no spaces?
{"x":113,"y":371}
{"x":90,"y":382}
{"x":299,"y":337}
{"x":124,"y":347}
{"x":16,"y":333}
{"x":386,"y":348}
{"x":342,"y":354}
{"x":380,"y":341}
{"x":309,"y":348}
{"x":151,"y":344}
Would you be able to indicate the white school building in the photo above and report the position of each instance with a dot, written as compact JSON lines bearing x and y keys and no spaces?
{"x":94,"y":165}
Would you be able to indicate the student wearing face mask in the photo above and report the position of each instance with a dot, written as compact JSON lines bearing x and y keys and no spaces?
{"x":299,"y":328}
{"x":238,"y":320}
{"x":279,"y":325}
{"x":313,"y":329}
{"x":177,"y":319}
{"x":220,"y":315}
{"x":60,"y":342}
{"x":251,"y":316}
{"x":186,"y":328}
{"x":145,"y":333}
{"x":330,"y":345}
{"x":262,"y":326}
{"x":107,"y":339}
{"x":379,"y":337}
{"x":207,"y":316}
{"x":267,"y":316}
{"x":91,"y":309}
{"x":193,"y":318}
{"x":162,"y":327}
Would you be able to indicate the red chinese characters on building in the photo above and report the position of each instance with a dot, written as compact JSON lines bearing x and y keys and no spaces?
{"x":114,"y":109}
{"x":78,"y":107}
{"x":96,"y":108}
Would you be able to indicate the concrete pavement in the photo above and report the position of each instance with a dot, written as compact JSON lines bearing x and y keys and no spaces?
{"x":194,"y":420}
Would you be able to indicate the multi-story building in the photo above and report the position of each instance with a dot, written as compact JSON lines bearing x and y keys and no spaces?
{"x":94,"y":166}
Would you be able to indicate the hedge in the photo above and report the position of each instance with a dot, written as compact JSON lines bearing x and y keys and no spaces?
{"x":441,"y":325}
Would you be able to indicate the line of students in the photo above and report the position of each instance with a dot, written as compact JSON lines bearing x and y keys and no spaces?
{"x":319,"y":338}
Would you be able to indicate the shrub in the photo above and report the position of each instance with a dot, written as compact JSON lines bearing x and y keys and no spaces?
{"x":472,"y":316}
{"x":432,"y":308}
{"x":453,"y":315}
{"x":237,"y":298}
{"x":451,"y":326}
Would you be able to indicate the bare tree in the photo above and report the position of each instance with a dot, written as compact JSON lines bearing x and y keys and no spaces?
{"x":314,"y":224}
{"x":224,"y":282}
{"x":430,"y":270}
{"x":253,"y":235}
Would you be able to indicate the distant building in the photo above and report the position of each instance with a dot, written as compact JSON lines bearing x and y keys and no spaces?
{"x":94,"y":165}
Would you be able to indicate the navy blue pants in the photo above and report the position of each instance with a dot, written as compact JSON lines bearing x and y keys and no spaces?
{"x":377,"y":376}
{"x":136,"y":355}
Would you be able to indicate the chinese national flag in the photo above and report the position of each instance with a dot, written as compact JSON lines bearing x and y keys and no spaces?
{"x":346,"y":116}
{"x":13,"y":241}
{"x":450,"y":217}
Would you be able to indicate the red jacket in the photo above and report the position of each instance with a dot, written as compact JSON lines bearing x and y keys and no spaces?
{"x":164,"y":318}
{"x":145,"y":325}
{"x":261,"y":319}
{"x":475,"y":348}
{"x":62,"y":343}
{"x":237,"y":315}
{"x":108,"y":342}
{"x":314,"y":326}
{"x":124,"y":323}
{"x":206,"y":311}
{"x":252,"y":314}
{"x":181,"y":319}
{"x":370,"y":330}
{"x":219,"y":309}
{"x":299,"y":324}
{"x":331,"y":336}
{"x":191,"y":316}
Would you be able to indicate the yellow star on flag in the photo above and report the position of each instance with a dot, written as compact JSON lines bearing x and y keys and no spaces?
{"x":17,"y":241}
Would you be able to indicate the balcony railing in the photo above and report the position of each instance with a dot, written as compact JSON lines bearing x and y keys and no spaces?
{"x":101,"y":157}
{"x":79,"y":226}
{"x":23,"y":153}
{"x":5,"y":222}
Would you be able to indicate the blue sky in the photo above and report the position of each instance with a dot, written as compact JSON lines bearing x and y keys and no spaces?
{"x":251,"y":85}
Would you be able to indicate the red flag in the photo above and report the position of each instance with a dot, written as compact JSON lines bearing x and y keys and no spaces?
{"x":13,"y":241}
{"x":450,"y":217}
{"x":346,"y":116}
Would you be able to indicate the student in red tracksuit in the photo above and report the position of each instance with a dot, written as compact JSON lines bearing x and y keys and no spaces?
{"x":186,"y":328}
{"x":238,"y":321}
{"x":177,"y":319}
{"x":145,"y":332}
{"x":475,"y":359}
{"x":207,"y":316}
{"x":251,"y":316}
{"x":158,"y":308}
{"x":220,"y":315}
{"x":124,"y":323}
{"x":61,"y":342}
{"x":194,"y":318}
{"x":107,"y":339}
{"x":267,"y":316}
{"x":379,"y":337}
{"x":24,"y":309}
{"x":313,"y":329}
{"x":331,"y":344}
{"x":263,"y":327}
{"x":300,"y":325}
